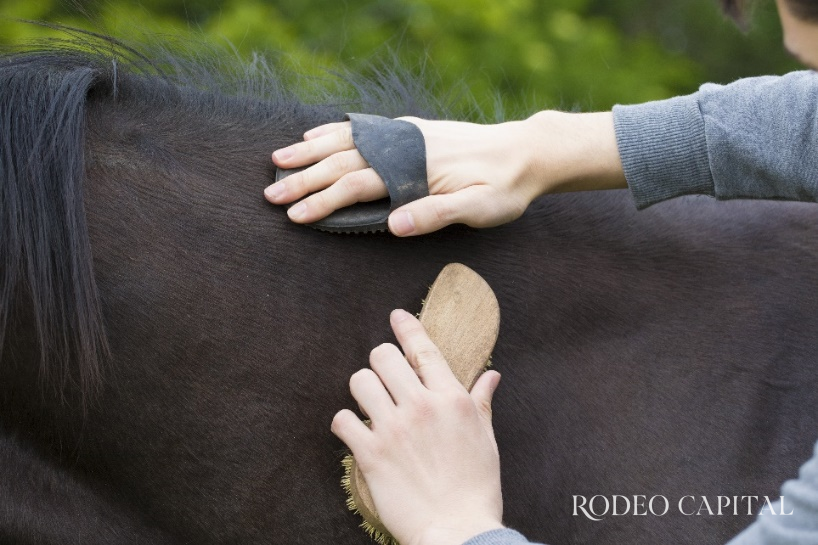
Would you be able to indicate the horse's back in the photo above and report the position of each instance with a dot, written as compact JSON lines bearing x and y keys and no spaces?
{"x":670,"y":352}
{"x":676,"y":358}
{"x":666,"y":353}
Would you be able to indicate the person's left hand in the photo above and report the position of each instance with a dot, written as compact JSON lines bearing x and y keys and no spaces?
{"x":429,"y":456}
{"x":479,"y":175}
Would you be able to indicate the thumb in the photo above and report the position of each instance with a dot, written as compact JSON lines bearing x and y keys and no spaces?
{"x":424,"y":215}
{"x":475,"y":205}
{"x":482,"y":393}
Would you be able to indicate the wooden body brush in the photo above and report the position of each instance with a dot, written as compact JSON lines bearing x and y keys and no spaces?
{"x":462,"y":317}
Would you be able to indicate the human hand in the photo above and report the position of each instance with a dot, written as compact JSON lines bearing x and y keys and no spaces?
{"x":429,"y":456}
{"x":478,"y":175}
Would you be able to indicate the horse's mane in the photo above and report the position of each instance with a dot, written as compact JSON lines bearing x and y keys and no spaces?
{"x":46,"y":269}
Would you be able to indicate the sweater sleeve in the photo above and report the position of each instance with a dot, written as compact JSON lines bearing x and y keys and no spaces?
{"x":756,"y":138}
{"x":800,"y":526}
{"x":792,"y":521}
{"x":505,"y":536}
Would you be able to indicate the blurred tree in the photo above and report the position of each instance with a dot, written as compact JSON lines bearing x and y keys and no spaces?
{"x":509,"y":58}
{"x":697,"y":30}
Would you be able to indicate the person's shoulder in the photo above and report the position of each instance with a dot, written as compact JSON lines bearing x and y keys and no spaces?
{"x":795,"y":78}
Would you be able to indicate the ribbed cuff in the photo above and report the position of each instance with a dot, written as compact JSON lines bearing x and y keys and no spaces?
{"x":663,"y":149}
{"x":502,"y":536}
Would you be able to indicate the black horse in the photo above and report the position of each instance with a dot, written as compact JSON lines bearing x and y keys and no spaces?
{"x":174,"y":348}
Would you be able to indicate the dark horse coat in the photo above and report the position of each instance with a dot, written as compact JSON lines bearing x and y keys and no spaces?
{"x":175,"y":349}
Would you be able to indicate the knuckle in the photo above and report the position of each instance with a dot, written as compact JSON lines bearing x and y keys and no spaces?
{"x":368,"y":460}
{"x":365,"y":459}
{"x":514,"y":211}
{"x":414,"y":330}
{"x":462,"y":404}
{"x":320,"y":203}
{"x":308,"y":147}
{"x":354,"y":183}
{"x":413,"y":397}
{"x":428,"y":355}
{"x":485,"y":407}
{"x":339,"y":162}
{"x":400,"y":433}
{"x":344,"y":137}
{"x":302,"y":180}
{"x":423,"y":411}
{"x":444,"y":213}
{"x":502,"y":209}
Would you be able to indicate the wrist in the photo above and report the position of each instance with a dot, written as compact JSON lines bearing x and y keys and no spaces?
{"x":573,"y":152}
{"x":457,"y":533}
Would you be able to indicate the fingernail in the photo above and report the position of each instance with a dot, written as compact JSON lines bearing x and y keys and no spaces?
{"x":283,"y":154}
{"x":310,"y":133}
{"x":399,"y":315}
{"x":297,"y":211}
{"x":401,"y":223}
{"x":275,"y":191}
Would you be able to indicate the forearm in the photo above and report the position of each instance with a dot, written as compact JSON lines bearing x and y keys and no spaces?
{"x":574,"y":152}
{"x":756,"y":138}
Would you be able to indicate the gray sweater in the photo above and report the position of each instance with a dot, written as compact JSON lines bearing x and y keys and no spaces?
{"x":756,"y":138}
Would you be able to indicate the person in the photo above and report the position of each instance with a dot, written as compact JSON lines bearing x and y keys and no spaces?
{"x":432,"y":441}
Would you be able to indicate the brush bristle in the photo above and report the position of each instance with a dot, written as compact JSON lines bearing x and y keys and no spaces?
{"x":377,"y":535}
{"x":346,"y":482}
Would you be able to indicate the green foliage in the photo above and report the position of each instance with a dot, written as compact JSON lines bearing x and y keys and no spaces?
{"x":510,"y":58}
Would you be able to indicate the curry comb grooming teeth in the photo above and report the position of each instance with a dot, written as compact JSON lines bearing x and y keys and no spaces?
{"x":462,"y":317}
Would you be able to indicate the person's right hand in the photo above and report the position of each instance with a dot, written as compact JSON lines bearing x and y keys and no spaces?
{"x":428,"y":456}
{"x":480,"y":175}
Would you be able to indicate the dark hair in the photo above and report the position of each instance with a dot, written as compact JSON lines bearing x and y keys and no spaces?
{"x":806,"y":10}
{"x":736,"y":9}
{"x":45,"y":254}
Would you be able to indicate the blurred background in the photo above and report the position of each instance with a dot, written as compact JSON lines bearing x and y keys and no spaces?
{"x":507,"y":58}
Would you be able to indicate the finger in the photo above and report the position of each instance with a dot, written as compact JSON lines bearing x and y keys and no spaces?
{"x":482,"y":393}
{"x":315,"y":178}
{"x":370,"y":393}
{"x":326,"y":129}
{"x":395,"y":373}
{"x":349,"y":429}
{"x":314,"y":150}
{"x":359,"y":186}
{"x":421,"y":352}
{"x":476,"y":205}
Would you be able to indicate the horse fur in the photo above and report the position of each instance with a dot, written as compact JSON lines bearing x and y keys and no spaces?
{"x":175,"y":348}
